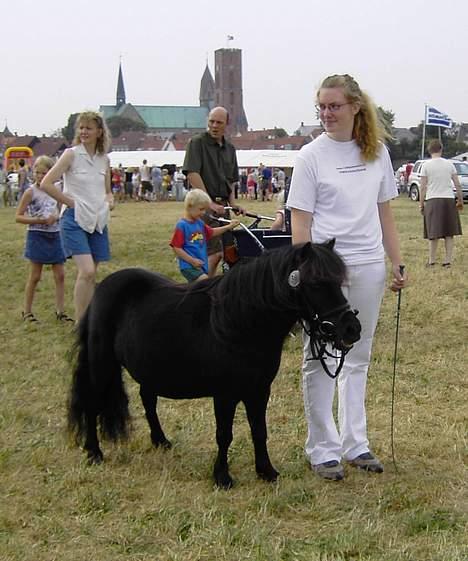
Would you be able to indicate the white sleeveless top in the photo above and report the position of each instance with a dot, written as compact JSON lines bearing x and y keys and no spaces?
{"x":85,"y":182}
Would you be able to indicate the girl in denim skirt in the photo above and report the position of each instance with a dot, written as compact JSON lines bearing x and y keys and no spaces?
{"x":43,"y":241}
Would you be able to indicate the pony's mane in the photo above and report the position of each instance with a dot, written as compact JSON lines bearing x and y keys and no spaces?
{"x":261,"y":284}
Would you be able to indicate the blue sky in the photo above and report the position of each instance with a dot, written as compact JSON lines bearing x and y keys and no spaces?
{"x":57,"y":60}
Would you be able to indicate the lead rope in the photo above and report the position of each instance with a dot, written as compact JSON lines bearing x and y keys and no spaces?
{"x":395,"y":352}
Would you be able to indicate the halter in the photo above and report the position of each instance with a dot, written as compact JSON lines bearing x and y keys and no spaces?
{"x":319,"y":331}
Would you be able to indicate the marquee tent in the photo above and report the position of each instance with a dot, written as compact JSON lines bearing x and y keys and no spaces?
{"x":245,"y":158}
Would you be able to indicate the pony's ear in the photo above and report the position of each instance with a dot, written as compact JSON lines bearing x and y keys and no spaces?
{"x":306,"y":250}
{"x":331,"y":243}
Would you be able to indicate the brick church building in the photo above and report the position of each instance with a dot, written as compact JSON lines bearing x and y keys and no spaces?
{"x":225,"y":90}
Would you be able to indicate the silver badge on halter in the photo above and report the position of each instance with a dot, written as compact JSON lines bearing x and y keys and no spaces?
{"x":294,"y":279}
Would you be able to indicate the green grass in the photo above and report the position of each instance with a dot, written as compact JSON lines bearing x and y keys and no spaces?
{"x":145,"y":504}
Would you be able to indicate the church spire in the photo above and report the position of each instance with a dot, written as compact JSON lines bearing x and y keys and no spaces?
{"x":120,"y":99}
{"x":207,"y":89}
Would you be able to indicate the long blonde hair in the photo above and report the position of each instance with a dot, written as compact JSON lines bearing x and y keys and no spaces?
{"x":103,"y":142}
{"x":368,"y":130}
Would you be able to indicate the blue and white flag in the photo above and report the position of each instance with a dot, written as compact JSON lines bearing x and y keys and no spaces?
{"x":437,"y":118}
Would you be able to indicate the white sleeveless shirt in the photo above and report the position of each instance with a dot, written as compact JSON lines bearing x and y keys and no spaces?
{"x":85,"y":182}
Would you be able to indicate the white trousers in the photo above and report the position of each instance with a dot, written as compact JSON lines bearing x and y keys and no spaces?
{"x":364,"y":290}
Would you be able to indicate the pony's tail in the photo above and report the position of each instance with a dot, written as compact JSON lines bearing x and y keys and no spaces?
{"x":97,"y":392}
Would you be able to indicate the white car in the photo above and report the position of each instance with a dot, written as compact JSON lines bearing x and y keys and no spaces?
{"x":414,"y":179}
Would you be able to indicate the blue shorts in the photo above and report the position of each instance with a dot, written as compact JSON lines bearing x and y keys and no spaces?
{"x":192,"y":273}
{"x":78,"y":242}
{"x":44,"y":247}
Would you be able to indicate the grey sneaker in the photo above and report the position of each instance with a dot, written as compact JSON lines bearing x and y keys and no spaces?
{"x":332,"y":470}
{"x":367,"y":462}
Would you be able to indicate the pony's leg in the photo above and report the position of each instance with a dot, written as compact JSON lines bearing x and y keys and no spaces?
{"x":255,"y":407}
{"x":225,"y":409}
{"x":91,"y":445}
{"x":150,"y":400}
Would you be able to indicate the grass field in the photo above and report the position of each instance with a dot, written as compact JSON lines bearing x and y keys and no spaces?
{"x":145,"y":504}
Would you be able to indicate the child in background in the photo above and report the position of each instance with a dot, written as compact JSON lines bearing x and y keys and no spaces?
{"x":279,"y":223}
{"x":43,"y":242}
{"x":191,"y":234}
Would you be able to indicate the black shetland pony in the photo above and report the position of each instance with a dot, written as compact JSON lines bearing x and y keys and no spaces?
{"x":220,"y":337}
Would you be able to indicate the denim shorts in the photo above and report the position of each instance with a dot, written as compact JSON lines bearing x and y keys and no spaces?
{"x":78,"y":242}
{"x":44,"y":247}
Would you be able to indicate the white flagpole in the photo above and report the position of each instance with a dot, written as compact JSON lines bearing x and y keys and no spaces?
{"x":424,"y":132}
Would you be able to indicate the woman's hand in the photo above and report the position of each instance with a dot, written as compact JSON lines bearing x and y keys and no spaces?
{"x":400,"y":278}
{"x":110,"y":200}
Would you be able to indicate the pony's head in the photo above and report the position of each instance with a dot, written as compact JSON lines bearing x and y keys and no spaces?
{"x":316,"y":282}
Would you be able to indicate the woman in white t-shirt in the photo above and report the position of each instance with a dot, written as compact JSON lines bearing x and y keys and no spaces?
{"x":341,"y":188}
{"x":441,"y":218}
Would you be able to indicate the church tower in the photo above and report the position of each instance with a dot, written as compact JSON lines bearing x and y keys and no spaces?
{"x":120,"y":98}
{"x":207,"y":90}
{"x":228,"y":87}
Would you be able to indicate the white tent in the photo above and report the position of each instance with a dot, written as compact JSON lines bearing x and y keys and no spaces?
{"x":245,"y":158}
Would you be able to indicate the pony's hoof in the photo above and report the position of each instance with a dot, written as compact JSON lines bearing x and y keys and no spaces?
{"x":224,"y":482}
{"x":164,"y":444}
{"x":270,"y":475}
{"x":95,"y":458}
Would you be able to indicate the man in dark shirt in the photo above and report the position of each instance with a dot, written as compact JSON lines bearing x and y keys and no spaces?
{"x":211,"y":165}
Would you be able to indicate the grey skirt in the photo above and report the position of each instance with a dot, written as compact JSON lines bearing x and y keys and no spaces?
{"x":441,"y":219}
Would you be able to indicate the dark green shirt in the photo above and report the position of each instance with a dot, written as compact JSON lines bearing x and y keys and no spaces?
{"x":216,"y":163}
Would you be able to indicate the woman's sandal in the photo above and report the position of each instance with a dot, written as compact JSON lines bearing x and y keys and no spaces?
{"x":62,"y":316}
{"x":30,"y":317}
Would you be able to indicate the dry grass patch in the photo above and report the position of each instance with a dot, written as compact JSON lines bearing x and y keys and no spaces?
{"x":145,"y":504}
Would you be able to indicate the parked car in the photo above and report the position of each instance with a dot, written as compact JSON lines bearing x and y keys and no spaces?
{"x":414,"y":179}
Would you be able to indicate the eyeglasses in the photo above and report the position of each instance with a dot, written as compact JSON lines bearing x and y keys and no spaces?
{"x":332,"y":107}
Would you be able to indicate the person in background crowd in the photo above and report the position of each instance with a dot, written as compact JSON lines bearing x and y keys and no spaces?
{"x":251,"y":186}
{"x":179,"y":185}
{"x":43,"y":243}
{"x":243,"y":185}
{"x":166,"y":185}
{"x":117,"y":180}
{"x":88,"y":199}
{"x":441,"y":219}
{"x":341,"y":188}
{"x":128,"y":184}
{"x":266,"y":184}
{"x":156,"y":180}
{"x":145,"y":182}
{"x":136,"y":184}
{"x":281,"y":180}
{"x":22,"y":178}
{"x":211,"y":165}
{"x":3,"y":186}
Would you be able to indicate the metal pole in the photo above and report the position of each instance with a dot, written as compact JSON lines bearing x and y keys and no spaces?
{"x":424,"y":132}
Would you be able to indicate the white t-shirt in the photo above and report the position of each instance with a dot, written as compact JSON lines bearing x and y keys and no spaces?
{"x":439,"y":173}
{"x":331,"y":181}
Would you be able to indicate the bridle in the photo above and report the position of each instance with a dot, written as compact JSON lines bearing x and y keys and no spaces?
{"x":320,"y":330}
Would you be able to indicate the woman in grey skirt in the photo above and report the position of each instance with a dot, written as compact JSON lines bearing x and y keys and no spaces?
{"x":441,"y":219}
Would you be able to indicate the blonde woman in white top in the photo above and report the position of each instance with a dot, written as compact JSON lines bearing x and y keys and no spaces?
{"x":341,"y":188}
{"x":88,"y":198}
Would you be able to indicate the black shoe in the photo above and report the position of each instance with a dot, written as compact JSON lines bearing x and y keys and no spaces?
{"x":29,"y":317}
{"x":62,"y":316}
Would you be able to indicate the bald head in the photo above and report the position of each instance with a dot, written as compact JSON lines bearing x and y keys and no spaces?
{"x":217,"y":121}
